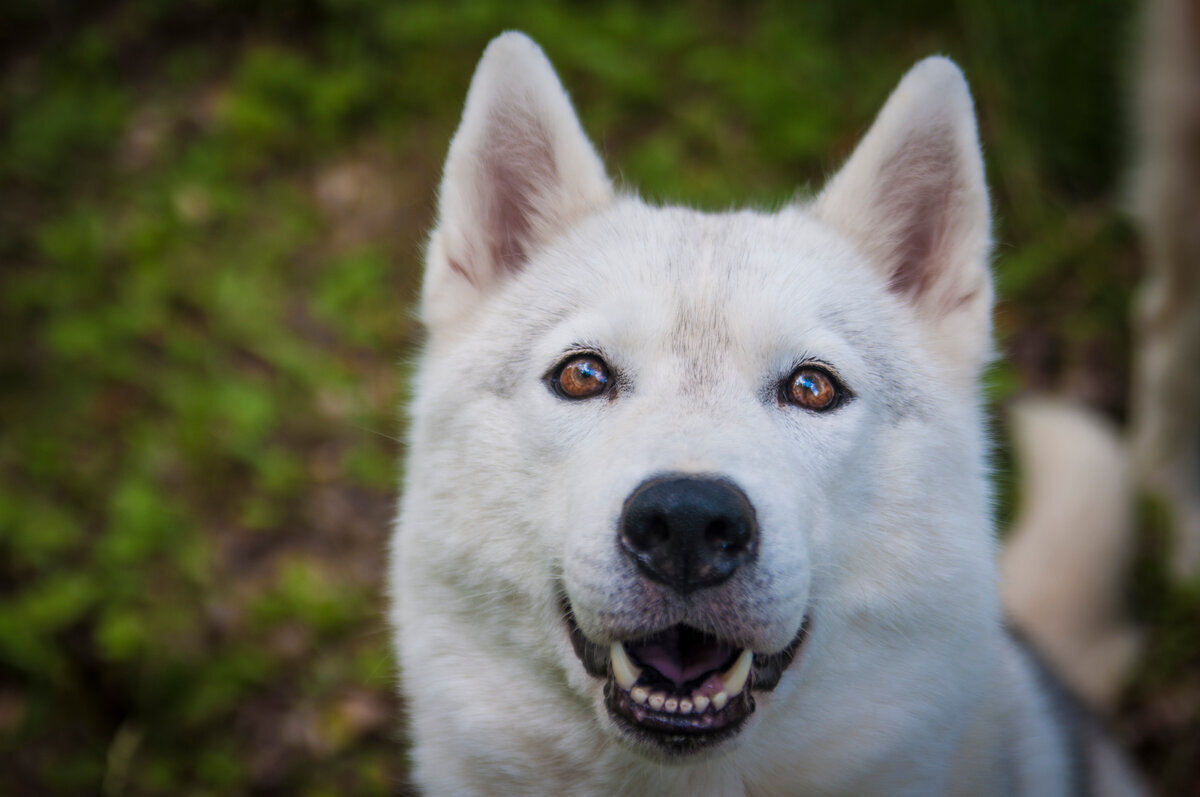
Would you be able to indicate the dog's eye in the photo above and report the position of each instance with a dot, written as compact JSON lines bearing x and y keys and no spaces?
{"x":813,"y":388}
{"x":581,"y":377}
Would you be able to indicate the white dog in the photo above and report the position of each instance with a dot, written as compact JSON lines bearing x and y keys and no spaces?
{"x":698,"y":503}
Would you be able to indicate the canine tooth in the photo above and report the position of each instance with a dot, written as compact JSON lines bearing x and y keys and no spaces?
{"x":639,"y":694}
{"x":657,"y":699}
{"x":685,"y":705}
{"x":700,"y":702}
{"x":623,"y":669}
{"x":671,"y":704}
{"x":735,"y":677}
{"x":719,"y":700}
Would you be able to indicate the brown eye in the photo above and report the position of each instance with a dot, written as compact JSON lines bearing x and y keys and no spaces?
{"x":813,"y":389}
{"x":581,"y":377}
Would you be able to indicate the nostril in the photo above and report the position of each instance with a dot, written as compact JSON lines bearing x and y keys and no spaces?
{"x":722,"y":534}
{"x":658,"y":531}
{"x":646,"y":531}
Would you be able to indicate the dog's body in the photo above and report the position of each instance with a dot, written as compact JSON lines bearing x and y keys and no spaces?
{"x":652,"y":448}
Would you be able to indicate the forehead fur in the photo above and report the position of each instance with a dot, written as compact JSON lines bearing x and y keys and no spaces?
{"x":712,"y":292}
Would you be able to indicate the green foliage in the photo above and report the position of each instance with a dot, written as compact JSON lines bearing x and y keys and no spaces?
{"x":210,"y":222}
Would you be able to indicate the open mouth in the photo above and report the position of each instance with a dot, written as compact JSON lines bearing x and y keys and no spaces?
{"x":680,"y":689}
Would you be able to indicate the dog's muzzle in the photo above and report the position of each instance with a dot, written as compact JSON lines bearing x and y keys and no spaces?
{"x":679,"y":690}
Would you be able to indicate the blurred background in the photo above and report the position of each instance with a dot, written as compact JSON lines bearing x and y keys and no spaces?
{"x":211,"y":221}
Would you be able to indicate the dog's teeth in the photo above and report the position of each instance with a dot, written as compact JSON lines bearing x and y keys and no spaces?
{"x":623,"y":669}
{"x":735,"y":677}
{"x":719,"y":700}
{"x":671,"y":705}
{"x":657,"y":699}
{"x":700,"y":702}
{"x":685,"y":705}
{"x":639,"y":694}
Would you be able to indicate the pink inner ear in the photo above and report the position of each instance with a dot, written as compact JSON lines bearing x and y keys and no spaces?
{"x":519,"y":172}
{"x":919,"y":189}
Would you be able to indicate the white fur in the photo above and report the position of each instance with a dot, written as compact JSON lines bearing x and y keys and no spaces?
{"x":1065,"y":558}
{"x":873,"y":518}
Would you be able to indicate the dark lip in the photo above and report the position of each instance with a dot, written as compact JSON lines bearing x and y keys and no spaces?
{"x":675,"y":735}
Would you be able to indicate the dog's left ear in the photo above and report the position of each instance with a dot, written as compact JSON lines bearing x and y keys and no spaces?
{"x":912,"y":199}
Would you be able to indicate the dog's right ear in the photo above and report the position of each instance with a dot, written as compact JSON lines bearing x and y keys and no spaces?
{"x":520,"y":172}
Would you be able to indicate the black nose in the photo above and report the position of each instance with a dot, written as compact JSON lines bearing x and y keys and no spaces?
{"x":689,"y":532}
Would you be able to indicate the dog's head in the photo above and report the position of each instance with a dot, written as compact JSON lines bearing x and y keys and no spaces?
{"x":682,"y":462}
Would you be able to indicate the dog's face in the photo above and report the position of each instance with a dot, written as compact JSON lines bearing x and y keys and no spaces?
{"x":702,"y":422}
{"x":674,"y":459}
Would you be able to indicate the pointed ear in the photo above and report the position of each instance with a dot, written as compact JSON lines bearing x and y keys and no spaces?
{"x":912,"y":199}
{"x":520,"y":172}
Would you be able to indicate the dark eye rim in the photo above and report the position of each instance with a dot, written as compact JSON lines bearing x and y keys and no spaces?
{"x":553,"y":376}
{"x":841,"y":394}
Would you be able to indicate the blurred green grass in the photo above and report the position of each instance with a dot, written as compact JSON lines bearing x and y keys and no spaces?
{"x":211,"y":216}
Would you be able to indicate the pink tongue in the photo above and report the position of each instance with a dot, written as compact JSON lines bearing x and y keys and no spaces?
{"x":669,"y":660}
